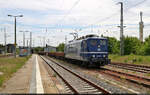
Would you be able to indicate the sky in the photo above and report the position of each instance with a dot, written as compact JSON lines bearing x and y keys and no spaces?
{"x":53,"y":20}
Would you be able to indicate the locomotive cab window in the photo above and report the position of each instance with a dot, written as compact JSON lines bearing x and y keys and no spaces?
{"x":93,"y":42}
{"x":102,"y":42}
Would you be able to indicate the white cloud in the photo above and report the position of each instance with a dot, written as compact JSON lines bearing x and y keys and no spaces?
{"x":39,"y":14}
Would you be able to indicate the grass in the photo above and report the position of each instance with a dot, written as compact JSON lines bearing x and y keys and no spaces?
{"x":148,"y":92}
{"x":54,"y":75}
{"x":8,"y":66}
{"x":132,"y":59}
{"x":96,"y":75}
{"x":148,"y":74}
{"x":122,"y":78}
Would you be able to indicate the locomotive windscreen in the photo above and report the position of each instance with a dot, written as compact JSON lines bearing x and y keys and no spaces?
{"x":97,"y":45}
{"x":97,"y":42}
{"x":102,"y":42}
{"x":93,"y":42}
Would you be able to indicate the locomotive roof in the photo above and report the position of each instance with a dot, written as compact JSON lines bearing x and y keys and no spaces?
{"x":85,"y":38}
{"x":90,"y":36}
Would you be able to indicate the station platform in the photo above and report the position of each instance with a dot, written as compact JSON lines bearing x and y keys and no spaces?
{"x":31,"y":78}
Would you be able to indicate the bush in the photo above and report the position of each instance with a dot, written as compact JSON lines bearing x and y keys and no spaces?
{"x":113,"y":45}
{"x":131,"y":45}
{"x":60,"y":47}
{"x":125,"y":61}
{"x":147,"y":46}
{"x":140,"y":59}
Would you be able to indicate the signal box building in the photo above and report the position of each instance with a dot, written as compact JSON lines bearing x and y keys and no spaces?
{"x":10,"y":48}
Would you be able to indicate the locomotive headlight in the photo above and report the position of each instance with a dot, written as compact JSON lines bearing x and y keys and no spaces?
{"x":99,"y":49}
{"x":93,"y":55}
{"x":104,"y":55}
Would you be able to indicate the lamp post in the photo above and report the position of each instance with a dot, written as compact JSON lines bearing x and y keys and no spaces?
{"x":15,"y":31}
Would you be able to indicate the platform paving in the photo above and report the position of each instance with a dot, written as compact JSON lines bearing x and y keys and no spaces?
{"x":31,"y":78}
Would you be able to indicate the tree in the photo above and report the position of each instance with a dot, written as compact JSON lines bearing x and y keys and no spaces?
{"x":38,"y":49}
{"x":1,"y":46}
{"x":60,"y":47}
{"x":131,"y":45}
{"x":113,"y":45}
{"x":147,"y":46}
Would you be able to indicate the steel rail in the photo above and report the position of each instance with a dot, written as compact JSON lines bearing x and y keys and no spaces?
{"x":129,"y":77}
{"x":143,"y":66}
{"x":86,"y":80}
{"x":131,"y":67}
{"x":73,"y":89}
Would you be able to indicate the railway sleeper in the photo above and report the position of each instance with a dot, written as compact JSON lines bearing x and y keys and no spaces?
{"x":130,"y":67}
{"x":89,"y":91}
{"x":132,"y":80}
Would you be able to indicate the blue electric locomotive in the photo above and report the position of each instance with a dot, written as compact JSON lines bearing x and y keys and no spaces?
{"x":91,"y":50}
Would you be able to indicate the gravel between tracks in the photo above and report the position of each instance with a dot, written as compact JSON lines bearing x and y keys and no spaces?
{"x":78,"y":84}
{"x":122,"y":83}
{"x":108,"y":86}
{"x":48,"y":84}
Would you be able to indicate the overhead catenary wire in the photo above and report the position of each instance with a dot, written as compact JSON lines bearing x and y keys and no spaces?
{"x":114,"y":14}
{"x":69,"y":11}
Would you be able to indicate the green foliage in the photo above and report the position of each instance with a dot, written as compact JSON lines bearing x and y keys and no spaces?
{"x":131,"y":45}
{"x":38,"y":49}
{"x":54,"y":75}
{"x":140,"y":59}
{"x":1,"y":46}
{"x":133,"y":59}
{"x":8,"y":66}
{"x":125,"y":61}
{"x":60,"y":47}
{"x":113,"y":45}
{"x":147,"y":46}
{"x":148,"y":74}
{"x":17,"y":50}
{"x":141,"y":49}
{"x":122,"y":77}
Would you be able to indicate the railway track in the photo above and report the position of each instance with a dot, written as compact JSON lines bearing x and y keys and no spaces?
{"x":76,"y":83}
{"x":132,"y":67}
{"x":129,"y":77}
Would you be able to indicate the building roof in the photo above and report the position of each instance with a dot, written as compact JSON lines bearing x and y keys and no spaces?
{"x":50,"y":46}
{"x":10,"y":44}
